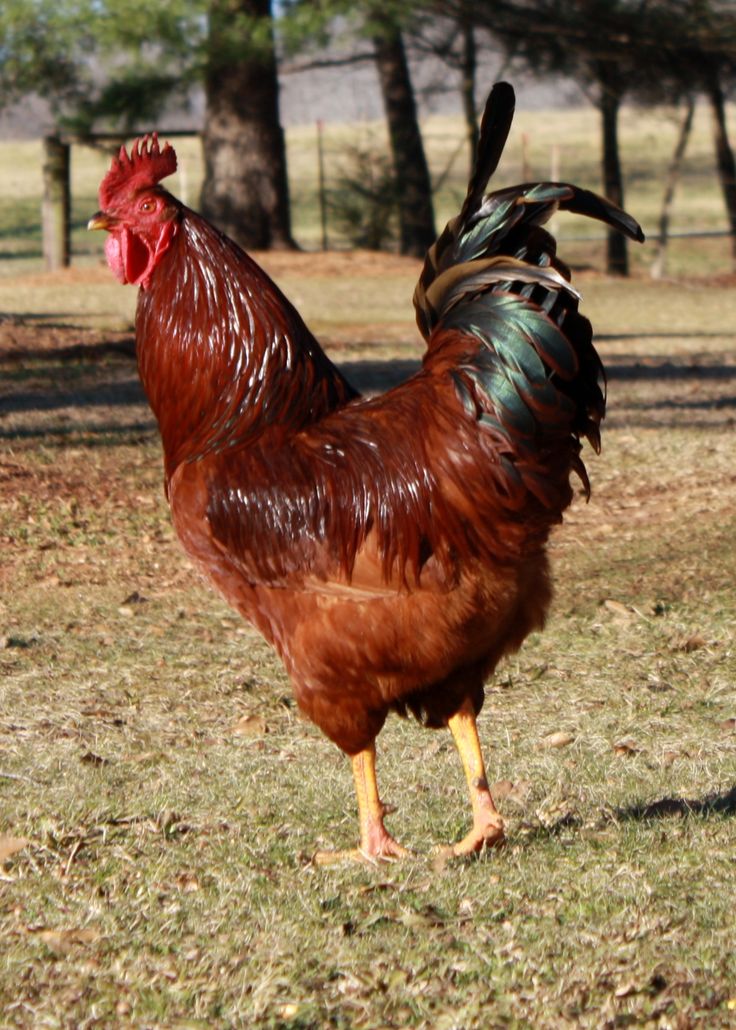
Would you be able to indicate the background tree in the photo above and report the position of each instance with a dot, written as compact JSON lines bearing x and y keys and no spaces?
{"x":115,"y":65}
{"x":699,"y":52}
{"x":245,"y":190}
{"x":376,"y":33}
{"x":411,"y":172}
{"x":451,"y":36}
{"x":598,"y":43}
{"x":655,"y":50}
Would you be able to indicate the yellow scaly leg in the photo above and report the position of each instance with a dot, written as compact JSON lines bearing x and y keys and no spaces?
{"x":488,"y":826}
{"x":376,"y":843}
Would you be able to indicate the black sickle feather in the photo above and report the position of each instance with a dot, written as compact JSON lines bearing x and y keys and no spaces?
{"x":583,"y":202}
{"x":494,"y":130}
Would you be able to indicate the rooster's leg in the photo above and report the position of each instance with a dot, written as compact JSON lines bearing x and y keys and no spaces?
{"x":375,"y":840}
{"x":376,"y":843}
{"x":488,"y":827}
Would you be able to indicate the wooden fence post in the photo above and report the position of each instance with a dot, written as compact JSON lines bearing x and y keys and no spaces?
{"x":56,"y":203}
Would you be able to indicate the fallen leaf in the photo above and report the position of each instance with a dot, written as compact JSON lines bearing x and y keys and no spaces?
{"x":61,"y":942}
{"x":694,"y":643}
{"x":441,"y":857}
{"x":558,"y":739}
{"x":520,"y":792}
{"x":501,"y":789}
{"x":90,"y":758}
{"x":187,"y":882}
{"x":145,"y":756}
{"x":421,"y":920}
{"x":466,"y":908}
{"x":728,"y":724}
{"x":624,"y":748}
{"x":655,"y":684}
{"x":250,"y":726}
{"x":622,"y":611}
{"x":9,"y":846}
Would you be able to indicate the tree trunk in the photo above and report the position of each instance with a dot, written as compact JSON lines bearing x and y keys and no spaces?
{"x":413,"y":187}
{"x":55,"y":211}
{"x":613,"y":184}
{"x":673,"y":174}
{"x":467,"y":88}
{"x":245,"y":190}
{"x":724,"y":155}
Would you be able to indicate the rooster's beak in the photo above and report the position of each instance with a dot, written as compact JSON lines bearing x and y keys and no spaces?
{"x":101,"y":221}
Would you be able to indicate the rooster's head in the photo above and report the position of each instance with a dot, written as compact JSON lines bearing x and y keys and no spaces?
{"x":141,"y":217}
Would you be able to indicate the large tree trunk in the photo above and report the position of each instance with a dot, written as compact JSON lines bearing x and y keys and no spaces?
{"x":724,"y":155}
{"x":414,"y":190}
{"x":245,"y":190}
{"x":617,"y":262}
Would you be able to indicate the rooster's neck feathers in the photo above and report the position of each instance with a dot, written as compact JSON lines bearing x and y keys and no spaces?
{"x":223,"y":355}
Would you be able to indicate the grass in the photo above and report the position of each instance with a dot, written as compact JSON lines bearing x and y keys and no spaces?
{"x":170,"y":797}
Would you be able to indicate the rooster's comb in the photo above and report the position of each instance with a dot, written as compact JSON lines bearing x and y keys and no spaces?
{"x":146,"y":165}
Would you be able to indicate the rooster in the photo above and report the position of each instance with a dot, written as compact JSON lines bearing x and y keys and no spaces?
{"x":391,"y":549}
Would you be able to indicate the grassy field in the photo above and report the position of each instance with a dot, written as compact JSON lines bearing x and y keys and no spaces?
{"x":161,"y":799}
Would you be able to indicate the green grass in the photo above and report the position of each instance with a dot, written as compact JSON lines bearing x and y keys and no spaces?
{"x":167,"y":879}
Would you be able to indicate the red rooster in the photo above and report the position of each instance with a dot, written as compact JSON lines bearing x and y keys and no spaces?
{"x":391,"y":549}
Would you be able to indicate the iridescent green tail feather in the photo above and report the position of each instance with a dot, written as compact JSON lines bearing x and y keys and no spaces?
{"x":531,"y":375}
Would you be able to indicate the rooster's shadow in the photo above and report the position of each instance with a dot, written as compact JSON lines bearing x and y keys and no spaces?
{"x":723,"y":803}
{"x":716,"y":804}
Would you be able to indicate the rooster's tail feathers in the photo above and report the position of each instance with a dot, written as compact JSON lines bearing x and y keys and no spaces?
{"x":503,"y":228}
{"x":496,"y":301}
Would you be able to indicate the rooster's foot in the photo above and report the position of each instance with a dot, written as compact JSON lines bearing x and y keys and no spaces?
{"x":488,"y":833}
{"x":372,"y":852}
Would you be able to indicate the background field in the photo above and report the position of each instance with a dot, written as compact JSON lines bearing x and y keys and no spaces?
{"x":170,"y":798}
{"x":565,"y":143}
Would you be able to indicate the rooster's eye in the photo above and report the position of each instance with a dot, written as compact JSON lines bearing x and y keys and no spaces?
{"x":146,"y":205}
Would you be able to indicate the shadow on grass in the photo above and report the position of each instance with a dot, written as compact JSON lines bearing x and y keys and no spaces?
{"x":369,"y":376}
{"x":665,"y":808}
{"x":120,"y":394}
{"x":665,"y":370}
{"x":74,"y":352}
{"x":694,"y":335}
{"x":107,"y":434}
{"x":723,"y":804}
